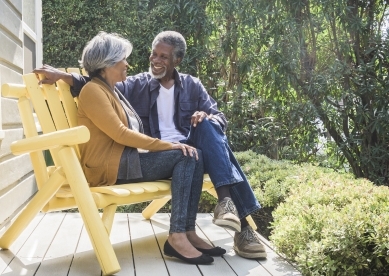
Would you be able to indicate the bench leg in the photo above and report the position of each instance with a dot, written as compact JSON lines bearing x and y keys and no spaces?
{"x":251,"y":222}
{"x":93,"y":223}
{"x":108,"y":216}
{"x":154,"y":207}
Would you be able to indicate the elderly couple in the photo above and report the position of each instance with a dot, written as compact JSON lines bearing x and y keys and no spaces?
{"x":156,"y":125}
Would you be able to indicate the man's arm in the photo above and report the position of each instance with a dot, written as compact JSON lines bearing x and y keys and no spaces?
{"x":207,"y":108}
{"x":52,"y":75}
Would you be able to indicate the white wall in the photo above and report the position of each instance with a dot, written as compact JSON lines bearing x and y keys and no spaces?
{"x":20,"y":20}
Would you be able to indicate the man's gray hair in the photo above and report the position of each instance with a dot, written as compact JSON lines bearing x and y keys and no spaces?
{"x":174,"y":39}
{"x":104,"y":50}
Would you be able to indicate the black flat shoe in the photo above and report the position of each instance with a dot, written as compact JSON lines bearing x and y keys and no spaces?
{"x":168,"y":250}
{"x":216,"y":251}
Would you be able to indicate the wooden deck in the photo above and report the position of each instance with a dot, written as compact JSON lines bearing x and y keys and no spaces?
{"x":57,"y":244}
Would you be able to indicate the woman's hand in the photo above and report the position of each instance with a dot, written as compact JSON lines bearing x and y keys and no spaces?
{"x":185,"y":149}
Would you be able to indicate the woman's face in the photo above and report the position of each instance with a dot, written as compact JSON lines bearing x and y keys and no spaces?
{"x":118,"y":72}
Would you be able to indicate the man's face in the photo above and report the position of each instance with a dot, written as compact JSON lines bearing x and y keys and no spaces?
{"x":161,"y":61}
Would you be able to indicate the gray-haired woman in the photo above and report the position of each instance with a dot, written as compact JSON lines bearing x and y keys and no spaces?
{"x":118,"y":152}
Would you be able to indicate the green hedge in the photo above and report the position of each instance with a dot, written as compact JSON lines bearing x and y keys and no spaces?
{"x":325,"y":222}
{"x":332,"y":224}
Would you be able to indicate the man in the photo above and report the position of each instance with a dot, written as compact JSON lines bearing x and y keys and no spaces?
{"x":177,"y":108}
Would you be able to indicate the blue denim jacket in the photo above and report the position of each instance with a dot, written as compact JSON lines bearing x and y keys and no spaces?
{"x":142,"y":91}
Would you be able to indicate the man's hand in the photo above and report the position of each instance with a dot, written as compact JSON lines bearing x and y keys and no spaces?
{"x":52,"y":75}
{"x":198,"y":117}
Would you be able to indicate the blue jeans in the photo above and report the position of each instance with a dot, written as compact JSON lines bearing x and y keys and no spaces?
{"x":187,"y":180}
{"x":222,"y":166}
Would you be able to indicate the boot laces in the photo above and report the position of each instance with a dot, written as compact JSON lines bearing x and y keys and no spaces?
{"x":228,"y":206}
{"x":250,"y":235}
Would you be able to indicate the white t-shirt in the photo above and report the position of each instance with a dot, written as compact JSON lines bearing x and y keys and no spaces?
{"x":165,"y":103}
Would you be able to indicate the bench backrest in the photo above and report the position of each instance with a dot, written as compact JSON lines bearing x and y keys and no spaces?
{"x":55,"y":109}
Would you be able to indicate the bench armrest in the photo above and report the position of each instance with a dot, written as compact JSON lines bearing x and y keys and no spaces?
{"x":66,"y":137}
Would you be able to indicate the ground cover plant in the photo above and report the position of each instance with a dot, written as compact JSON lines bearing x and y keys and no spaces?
{"x":327,"y":223}
{"x":334,"y":225}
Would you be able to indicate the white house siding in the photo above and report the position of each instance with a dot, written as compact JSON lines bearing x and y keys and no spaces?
{"x":20,"y":52}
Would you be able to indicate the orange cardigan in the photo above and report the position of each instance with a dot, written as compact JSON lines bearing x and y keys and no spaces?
{"x":101,"y":112}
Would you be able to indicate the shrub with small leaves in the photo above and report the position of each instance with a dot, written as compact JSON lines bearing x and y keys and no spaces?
{"x":270,"y":179}
{"x":334,"y":225}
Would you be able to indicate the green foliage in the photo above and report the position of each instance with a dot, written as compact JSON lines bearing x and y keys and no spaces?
{"x":326,"y":62}
{"x":299,"y":80}
{"x":266,"y":177}
{"x":139,"y":207}
{"x":294,"y":75}
{"x":206,"y":205}
{"x":326,"y":222}
{"x":69,"y":25}
{"x":332,"y":224}
{"x":272,"y":180}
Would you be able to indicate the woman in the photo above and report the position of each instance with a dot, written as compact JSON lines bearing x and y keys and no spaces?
{"x":118,"y":152}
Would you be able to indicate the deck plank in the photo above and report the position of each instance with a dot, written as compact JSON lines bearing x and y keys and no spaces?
{"x":84,"y":261}
{"x":274,"y":264}
{"x":175,"y":267}
{"x":278,"y":266}
{"x":6,"y":256}
{"x":29,"y":257}
{"x":218,"y":238}
{"x":61,"y":251}
{"x":221,"y":237}
{"x":120,"y":238}
{"x":147,"y":256}
{"x":57,"y":244}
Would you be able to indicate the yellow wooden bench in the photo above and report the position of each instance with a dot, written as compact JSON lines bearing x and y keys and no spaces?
{"x":63,"y":185}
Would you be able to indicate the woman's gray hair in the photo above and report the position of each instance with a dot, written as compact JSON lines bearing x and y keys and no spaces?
{"x":174,"y":39}
{"x":104,"y":50}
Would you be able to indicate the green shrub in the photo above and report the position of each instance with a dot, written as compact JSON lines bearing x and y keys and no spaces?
{"x":332,"y":224}
{"x":139,"y":207}
{"x":270,"y":180}
{"x":207,"y":203}
{"x":326,"y":222}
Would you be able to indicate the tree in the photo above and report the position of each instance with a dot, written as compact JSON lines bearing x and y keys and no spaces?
{"x":289,"y":74}
{"x":69,"y":25}
{"x":332,"y":56}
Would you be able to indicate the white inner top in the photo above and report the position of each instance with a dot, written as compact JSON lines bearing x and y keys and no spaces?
{"x":165,"y":103}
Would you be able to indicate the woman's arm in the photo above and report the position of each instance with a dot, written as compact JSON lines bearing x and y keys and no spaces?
{"x":96,"y":106}
{"x":52,"y":75}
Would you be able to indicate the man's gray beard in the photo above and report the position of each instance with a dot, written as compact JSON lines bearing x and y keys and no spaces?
{"x":158,"y":77}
